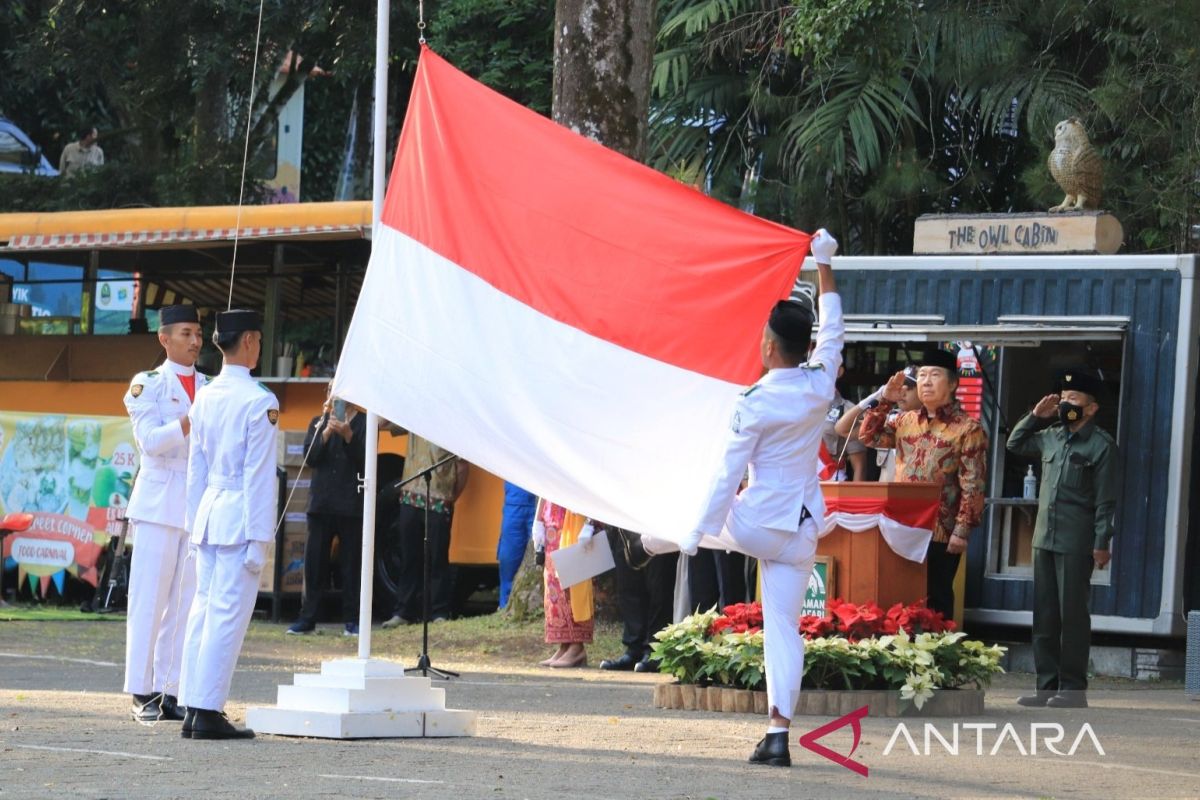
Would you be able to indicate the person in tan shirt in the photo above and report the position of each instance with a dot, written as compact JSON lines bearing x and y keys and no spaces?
{"x":82,"y":154}
{"x":446,"y":484}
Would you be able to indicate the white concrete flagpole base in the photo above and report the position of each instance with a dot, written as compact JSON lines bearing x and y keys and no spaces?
{"x":355,"y":698}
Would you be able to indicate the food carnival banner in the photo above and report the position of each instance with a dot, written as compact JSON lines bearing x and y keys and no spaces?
{"x":73,"y":474}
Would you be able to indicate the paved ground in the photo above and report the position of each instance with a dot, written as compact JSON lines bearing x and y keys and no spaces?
{"x":544,"y":734}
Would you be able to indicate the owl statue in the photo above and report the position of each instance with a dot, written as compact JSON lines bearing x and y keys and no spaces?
{"x":1075,"y":166}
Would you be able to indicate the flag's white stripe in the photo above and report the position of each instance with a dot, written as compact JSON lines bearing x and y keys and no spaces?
{"x":607,"y":432}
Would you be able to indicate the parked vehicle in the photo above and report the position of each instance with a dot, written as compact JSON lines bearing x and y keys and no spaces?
{"x":18,"y":153}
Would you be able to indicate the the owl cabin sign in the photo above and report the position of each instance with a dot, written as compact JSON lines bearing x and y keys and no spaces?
{"x":1073,"y":226}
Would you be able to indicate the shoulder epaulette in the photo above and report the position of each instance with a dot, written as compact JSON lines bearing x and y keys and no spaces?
{"x":749,"y":390}
{"x":812,"y":365}
{"x":152,"y":373}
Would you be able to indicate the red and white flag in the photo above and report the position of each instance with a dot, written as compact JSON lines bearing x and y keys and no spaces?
{"x":557,"y":313}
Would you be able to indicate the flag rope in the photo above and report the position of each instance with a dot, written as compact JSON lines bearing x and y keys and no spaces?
{"x":237,"y":226}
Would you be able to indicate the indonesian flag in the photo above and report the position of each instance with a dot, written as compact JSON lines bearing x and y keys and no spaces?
{"x":556,"y":313}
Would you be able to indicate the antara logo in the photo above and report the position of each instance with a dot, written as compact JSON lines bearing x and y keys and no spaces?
{"x":1043,"y":735}
{"x":854,"y":720}
{"x":1048,"y":733}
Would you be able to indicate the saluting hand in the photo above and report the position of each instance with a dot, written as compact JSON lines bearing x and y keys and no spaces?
{"x":893,"y":391}
{"x":1047,"y":407}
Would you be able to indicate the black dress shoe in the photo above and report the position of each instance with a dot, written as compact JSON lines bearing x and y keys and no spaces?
{"x":646,"y":665}
{"x":214,"y":725}
{"x":1036,"y":700}
{"x":188,"y":718}
{"x":625,"y":663}
{"x":772,"y":749}
{"x":1068,"y":699}
{"x":146,"y":707}
{"x":171,"y":710}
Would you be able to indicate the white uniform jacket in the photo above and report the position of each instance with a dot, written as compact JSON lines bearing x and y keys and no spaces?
{"x":156,"y":402}
{"x":231,"y":483}
{"x":776,"y":433}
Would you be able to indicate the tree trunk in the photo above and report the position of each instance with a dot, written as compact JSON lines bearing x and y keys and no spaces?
{"x":603,"y":51}
{"x":526,"y":600}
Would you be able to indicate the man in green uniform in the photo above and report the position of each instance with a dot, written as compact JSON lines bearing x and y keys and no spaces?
{"x":1074,"y":526}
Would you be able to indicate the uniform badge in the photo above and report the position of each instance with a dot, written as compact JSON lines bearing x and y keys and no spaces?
{"x":272,"y":416}
{"x":136,"y":390}
{"x":737,"y":422}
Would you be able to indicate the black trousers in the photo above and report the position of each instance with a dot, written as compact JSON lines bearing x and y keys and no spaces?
{"x":410,"y":525}
{"x":941,"y":567}
{"x":645,"y":590}
{"x":322,"y":530}
{"x":716,"y":578}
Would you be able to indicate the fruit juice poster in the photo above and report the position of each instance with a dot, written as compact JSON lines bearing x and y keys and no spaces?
{"x":74,"y":475}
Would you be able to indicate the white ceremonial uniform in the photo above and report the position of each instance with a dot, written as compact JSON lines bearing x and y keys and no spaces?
{"x":162,"y":579}
{"x":776,"y":432}
{"x":231,"y":489}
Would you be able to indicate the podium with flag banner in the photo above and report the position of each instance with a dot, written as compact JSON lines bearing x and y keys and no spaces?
{"x":877,"y":535}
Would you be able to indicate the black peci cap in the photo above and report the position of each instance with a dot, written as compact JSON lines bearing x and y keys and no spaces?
{"x":238,"y":320}
{"x":792,"y":323}
{"x":937,"y":357}
{"x":170,"y":315}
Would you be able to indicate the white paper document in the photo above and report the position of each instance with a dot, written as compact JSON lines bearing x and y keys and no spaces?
{"x":582,"y":560}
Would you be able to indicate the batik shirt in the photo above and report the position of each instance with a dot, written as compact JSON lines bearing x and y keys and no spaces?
{"x":948,"y":448}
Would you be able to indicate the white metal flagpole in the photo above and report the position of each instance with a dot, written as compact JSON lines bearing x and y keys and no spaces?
{"x":370,"y":478}
{"x":365,"y":698}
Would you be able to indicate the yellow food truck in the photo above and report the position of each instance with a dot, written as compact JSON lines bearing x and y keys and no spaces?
{"x":79,"y":293}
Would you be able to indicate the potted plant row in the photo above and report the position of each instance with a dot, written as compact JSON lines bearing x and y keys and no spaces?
{"x":895,"y":661}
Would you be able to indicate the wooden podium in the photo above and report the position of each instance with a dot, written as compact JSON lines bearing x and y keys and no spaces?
{"x":866,"y":568}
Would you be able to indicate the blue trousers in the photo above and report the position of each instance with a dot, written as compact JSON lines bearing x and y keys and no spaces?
{"x":515,"y":526}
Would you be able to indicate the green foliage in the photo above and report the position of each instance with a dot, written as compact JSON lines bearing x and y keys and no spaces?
{"x":167,"y":82}
{"x":862,"y":114}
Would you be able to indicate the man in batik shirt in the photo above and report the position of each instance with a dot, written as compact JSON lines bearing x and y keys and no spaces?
{"x":936,"y":443}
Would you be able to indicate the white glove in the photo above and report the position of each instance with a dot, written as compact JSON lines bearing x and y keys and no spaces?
{"x":874,"y":397}
{"x":256,"y":557}
{"x":823,"y":246}
{"x":587,"y":531}
{"x":690,"y":544}
{"x":539,"y":535}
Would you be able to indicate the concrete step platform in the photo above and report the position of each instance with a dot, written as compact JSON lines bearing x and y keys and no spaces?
{"x":358,"y":699}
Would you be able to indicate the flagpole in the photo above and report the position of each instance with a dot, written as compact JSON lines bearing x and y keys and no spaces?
{"x":370,"y":476}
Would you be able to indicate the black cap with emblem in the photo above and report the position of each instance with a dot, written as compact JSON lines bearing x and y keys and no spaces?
{"x":170,"y":315}
{"x":238,"y":320}
{"x":1081,"y":379}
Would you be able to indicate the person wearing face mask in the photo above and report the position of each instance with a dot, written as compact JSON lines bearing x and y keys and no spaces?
{"x":1074,"y":526}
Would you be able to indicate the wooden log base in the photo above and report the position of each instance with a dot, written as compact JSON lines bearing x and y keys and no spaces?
{"x":820,"y":702}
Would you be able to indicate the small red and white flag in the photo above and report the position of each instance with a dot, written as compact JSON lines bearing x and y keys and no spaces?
{"x":557,"y":313}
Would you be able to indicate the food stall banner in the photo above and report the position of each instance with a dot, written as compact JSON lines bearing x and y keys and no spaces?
{"x":73,"y":474}
{"x":906,"y":524}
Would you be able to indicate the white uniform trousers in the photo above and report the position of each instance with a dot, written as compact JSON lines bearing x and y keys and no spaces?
{"x":785,"y":562}
{"x":221,"y":611}
{"x":162,"y":580}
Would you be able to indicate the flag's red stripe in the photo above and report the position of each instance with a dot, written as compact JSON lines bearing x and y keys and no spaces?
{"x":583,"y":234}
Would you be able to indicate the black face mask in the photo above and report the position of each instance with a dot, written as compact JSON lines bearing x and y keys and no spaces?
{"x":1069,"y":413}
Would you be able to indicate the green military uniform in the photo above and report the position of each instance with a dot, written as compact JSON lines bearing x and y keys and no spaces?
{"x":1075,"y":516}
